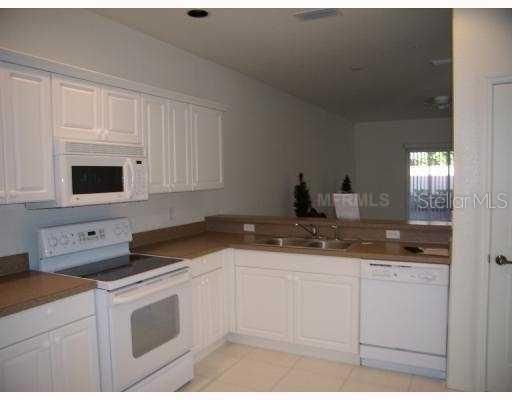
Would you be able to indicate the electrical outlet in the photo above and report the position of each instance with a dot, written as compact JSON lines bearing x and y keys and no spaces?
{"x":392,"y":234}
{"x":249,"y":228}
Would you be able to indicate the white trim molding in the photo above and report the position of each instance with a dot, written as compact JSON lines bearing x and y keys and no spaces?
{"x":28,"y":60}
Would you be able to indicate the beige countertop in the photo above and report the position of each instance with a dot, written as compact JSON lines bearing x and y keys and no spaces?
{"x":366,"y":223}
{"x":209,"y":242}
{"x":23,"y":290}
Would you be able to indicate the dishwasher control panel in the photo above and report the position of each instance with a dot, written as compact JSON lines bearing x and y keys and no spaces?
{"x":421,"y":273}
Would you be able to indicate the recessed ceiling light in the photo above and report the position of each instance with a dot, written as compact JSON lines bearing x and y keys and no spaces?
{"x":197,"y":13}
{"x":441,"y":102}
{"x":443,"y":61}
{"x":356,"y":68}
{"x":317,"y":13}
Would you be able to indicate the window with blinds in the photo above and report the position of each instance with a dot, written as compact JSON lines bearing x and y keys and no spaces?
{"x":430,"y":185}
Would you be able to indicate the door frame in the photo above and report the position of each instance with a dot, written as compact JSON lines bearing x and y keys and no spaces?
{"x":484,"y":214}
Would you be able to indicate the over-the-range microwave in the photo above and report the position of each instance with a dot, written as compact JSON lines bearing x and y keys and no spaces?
{"x":96,"y":173}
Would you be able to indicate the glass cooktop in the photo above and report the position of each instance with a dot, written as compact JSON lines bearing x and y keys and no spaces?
{"x":117,"y":268}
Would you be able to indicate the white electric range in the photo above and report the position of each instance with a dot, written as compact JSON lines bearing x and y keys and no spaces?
{"x":143,"y":303}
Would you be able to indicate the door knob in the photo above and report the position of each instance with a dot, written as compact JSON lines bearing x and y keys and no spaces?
{"x":502,"y":260}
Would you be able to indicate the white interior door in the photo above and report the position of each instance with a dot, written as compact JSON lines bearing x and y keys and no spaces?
{"x":499,"y":348}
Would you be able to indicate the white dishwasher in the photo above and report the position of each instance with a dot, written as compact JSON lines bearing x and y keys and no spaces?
{"x":404,"y":316}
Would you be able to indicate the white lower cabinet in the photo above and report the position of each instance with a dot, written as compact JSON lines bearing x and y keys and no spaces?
{"x":264,"y":303}
{"x":52,"y":347}
{"x":277,"y":299}
{"x":326,"y":311}
{"x":208,"y":307}
{"x":26,"y":366}
{"x":63,"y":360}
{"x":75,"y":357}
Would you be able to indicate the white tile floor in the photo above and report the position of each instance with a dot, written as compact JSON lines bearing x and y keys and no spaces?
{"x":238,"y":368}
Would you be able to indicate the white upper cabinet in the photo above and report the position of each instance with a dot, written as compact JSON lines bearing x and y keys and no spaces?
{"x":121,"y":116}
{"x":156,"y":132}
{"x":84,"y":110}
{"x":27,"y":139}
{"x":206,"y":148}
{"x":184,"y":145}
{"x":76,"y":109}
{"x":180,"y":146}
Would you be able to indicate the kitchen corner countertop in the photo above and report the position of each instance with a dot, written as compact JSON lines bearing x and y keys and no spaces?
{"x":23,"y":290}
{"x":209,"y":242}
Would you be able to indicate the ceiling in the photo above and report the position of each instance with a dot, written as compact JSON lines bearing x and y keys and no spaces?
{"x":313,"y":60}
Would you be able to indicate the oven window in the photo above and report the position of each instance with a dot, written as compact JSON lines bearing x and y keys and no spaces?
{"x":154,"y":325}
{"x":94,"y":179}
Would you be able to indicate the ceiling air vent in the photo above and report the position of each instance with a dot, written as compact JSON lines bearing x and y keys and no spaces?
{"x":317,"y":13}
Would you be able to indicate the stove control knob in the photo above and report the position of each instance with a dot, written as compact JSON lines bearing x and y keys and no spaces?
{"x":64,"y":240}
{"x":117,"y":230}
{"x":52,"y":241}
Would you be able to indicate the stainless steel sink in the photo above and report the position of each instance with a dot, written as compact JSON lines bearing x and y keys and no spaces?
{"x":274,"y":241}
{"x":305,"y":243}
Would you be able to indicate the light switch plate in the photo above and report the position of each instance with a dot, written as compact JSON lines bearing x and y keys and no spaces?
{"x":392,"y":234}
{"x":249,"y":228}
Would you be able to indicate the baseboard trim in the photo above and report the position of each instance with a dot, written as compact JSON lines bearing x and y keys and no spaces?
{"x":209,"y":349}
{"x":330,"y":355}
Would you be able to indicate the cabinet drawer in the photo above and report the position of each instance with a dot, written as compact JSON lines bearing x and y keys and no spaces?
{"x":299,"y":262}
{"x":25,"y":324}
{"x":204,"y":264}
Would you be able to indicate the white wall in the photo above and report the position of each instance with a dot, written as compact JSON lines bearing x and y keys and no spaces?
{"x":269,"y":136}
{"x":482,"y":47}
{"x":380,"y":159}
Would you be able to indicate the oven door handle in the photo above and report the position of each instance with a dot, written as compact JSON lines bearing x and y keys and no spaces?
{"x":140,"y":292}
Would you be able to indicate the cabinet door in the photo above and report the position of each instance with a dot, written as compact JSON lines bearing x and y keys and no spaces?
{"x":76,"y":109}
{"x":26,"y":366}
{"x":156,"y":132}
{"x":264,"y":303}
{"x":121,"y":116}
{"x":198,"y":314}
{"x":75,"y":357}
{"x":28,"y":139}
{"x":215,"y":306}
{"x":180,"y":147}
{"x":207,"y":148}
{"x":327,"y":311}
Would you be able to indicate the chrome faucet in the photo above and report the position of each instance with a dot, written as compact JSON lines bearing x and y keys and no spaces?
{"x":336,"y":229}
{"x":311,"y":229}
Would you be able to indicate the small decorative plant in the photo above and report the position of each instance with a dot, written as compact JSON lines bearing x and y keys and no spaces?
{"x":302,"y":198}
{"x":302,"y":203}
{"x":346,"y":186}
